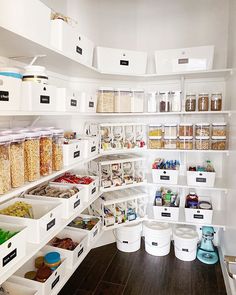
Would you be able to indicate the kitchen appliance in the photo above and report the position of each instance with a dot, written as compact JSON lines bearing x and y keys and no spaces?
{"x":206,"y":253}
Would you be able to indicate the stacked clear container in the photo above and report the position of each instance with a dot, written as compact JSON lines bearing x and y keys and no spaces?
{"x":219,"y":136}
{"x":57,"y":149}
{"x":185,"y":142}
{"x":122,"y":101}
{"x":155,"y":136}
{"x":45,"y":152}
{"x":5,"y":172}
{"x":105,"y":102}
{"x":190,"y":102}
{"x":202,"y":133}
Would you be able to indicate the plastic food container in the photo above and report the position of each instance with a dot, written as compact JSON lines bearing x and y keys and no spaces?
{"x":219,"y":129}
{"x":202,"y":143}
{"x":203,"y":102}
{"x":156,"y":142}
{"x":45,"y":152}
{"x":216,"y":102}
{"x":218,"y":143}
{"x":32,"y":156}
{"x":185,"y":142}
{"x":137,"y":101}
{"x":151,"y":102}
{"x":202,"y":129}
{"x":17,"y":159}
{"x":106,"y":99}
{"x":122,"y":101}
{"x":57,"y":149}
{"x":155,"y":130}
{"x":186,"y":129}
{"x":35,"y":74}
{"x":5,"y":176}
{"x":170,"y":129}
{"x":170,"y":142}
{"x":190,"y":102}
{"x":164,"y":102}
{"x":175,"y":101}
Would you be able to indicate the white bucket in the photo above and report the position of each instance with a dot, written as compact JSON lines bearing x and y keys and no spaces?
{"x":185,"y":241}
{"x":157,"y":238}
{"x":128,"y":238}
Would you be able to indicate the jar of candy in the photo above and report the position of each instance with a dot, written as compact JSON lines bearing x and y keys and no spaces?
{"x":202,"y":129}
{"x":218,"y":143}
{"x":164,"y":102}
{"x":216,"y":102}
{"x":203,"y":102}
{"x":45,"y":152}
{"x":170,"y":130}
{"x":5,"y":174}
{"x":155,"y":142}
{"x":57,"y":149}
{"x":185,"y":142}
{"x":219,"y":129}
{"x":170,"y":142}
{"x":155,"y":130}
{"x":190,"y":102}
{"x":185,"y":129}
{"x":202,"y":142}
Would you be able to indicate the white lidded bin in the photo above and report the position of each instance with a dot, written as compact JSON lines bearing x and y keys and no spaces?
{"x":91,"y":146}
{"x":73,"y":152}
{"x":47,"y":217}
{"x":10,"y":93}
{"x":185,"y":242}
{"x":128,"y":238}
{"x":184,"y":59}
{"x":38,"y":97}
{"x":67,"y":100}
{"x":157,"y":238}
{"x":87,"y":102}
{"x":165,"y":176}
{"x":18,"y":289}
{"x":203,"y":179}
{"x":166,"y":213}
{"x":13,"y":249}
{"x":120,"y":61}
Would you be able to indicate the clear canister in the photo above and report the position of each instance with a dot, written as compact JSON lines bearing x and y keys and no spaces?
{"x":17,"y":159}
{"x":185,"y":142}
{"x":219,"y":129}
{"x":170,"y":129}
{"x":156,"y":142}
{"x":45,"y":152}
{"x":202,"y":143}
{"x":122,"y":101}
{"x":151,"y":102}
{"x":175,"y":100}
{"x":137,"y":100}
{"x":155,"y":130}
{"x":170,"y":142}
{"x":185,"y":129}
{"x":57,"y":149}
{"x":203,"y":102}
{"x":216,"y":102}
{"x":105,"y":102}
{"x":164,"y":102}
{"x":202,"y":129}
{"x":190,"y":102}
{"x":218,"y":143}
{"x":5,"y":174}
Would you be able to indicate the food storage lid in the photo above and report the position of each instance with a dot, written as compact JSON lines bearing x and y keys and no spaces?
{"x":156,"y":125}
{"x":186,"y":137}
{"x":48,"y":128}
{"x":18,"y":137}
{"x":20,"y":130}
{"x":216,"y":93}
{"x":34,"y":70}
{"x":185,"y":124}
{"x":202,"y":137}
{"x":137,"y":90}
{"x":122,"y":89}
{"x":163,"y":92}
{"x":218,"y":137}
{"x":46,"y":133}
{"x":219,"y":124}
{"x":32,"y":134}
{"x":170,"y":125}
{"x":58,"y":132}
{"x":5,"y":138}
{"x":155,"y":137}
{"x":203,"y":124}
{"x":36,"y":129}
{"x":205,"y":205}
{"x":105,"y":89}
{"x":170,"y":137}
{"x":5,"y":131}
{"x":185,"y":233}
{"x":52,"y":257}
{"x":203,"y":94}
{"x":191,"y":94}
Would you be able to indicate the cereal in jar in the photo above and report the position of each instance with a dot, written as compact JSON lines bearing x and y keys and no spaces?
{"x":202,"y":142}
{"x":202,"y":129}
{"x":203,"y":102}
{"x":216,"y":102}
{"x":190,"y":102}
{"x":219,"y":129}
{"x":57,"y":149}
{"x":185,"y":129}
{"x":5,"y":174}
{"x":45,"y":152}
{"x":218,"y":143}
{"x":185,"y":142}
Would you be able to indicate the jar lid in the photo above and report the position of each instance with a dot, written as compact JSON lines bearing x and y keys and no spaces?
{"x":106,"y":89}
{"x":156,"y":125}
{"x":155,"y":137}
{"x":185,"y":124}
{"x":163,"y":92}
{"x":52,"y":257}
{"x":186,"y":137}
{"x":203,"y":94}
{"x":137,"y":90}
{"x":203,"y":124}
{"x":202,"y":137}
{"x":219,"y":124}
{"x":18,"y":136}
{"x":5,"y":131}
{"x":191,"y":94}
{"x":170,"y":137}
{"x":48,"y":128}
{"x":170,"y":125}
{"x":35,"y":129}
{"x":58,"y":131}
{"x":32,"y":134}
{"x":34,"y":69}
{"x":123,"y":89}
{"x":205,"y":205}
{"x":216,"y":93}
{"x":218,"y":137}
{"x":5,"y":138}
{"x":46,"y":132}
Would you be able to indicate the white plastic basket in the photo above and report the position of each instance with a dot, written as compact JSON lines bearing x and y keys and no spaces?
{"x":165,"y":176}
{"x":203,"y":179}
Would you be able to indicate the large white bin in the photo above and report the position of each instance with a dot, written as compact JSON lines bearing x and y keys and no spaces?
{"x":128,"y":238}
{"x":185,"y":241}
{"x":157,"y":238}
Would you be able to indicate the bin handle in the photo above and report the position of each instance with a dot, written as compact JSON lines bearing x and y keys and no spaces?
{"x":230,"y":260}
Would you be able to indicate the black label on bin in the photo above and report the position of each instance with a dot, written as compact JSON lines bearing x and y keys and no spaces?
{"x":76,"y":204}
{"x":55,"y":282}
{"x":76,"y":154}
{"x":4,"y":96}
{"x":93,"y":190}
{"x":200,"y":179}
{"x":51,"y":224}
{"x":80,"y":252}
{"x":79,"y":50}
{"x":96,"y":231}
{"x":91,"y":104}
{"x":124,"y":62}
{"x":198,"y":216}
{"x":73,"y":102}
{"x":165,"y":177}
{"x":93,"y":148}
{"x":163,"y":214}
{"x":184,"y":250}
{"x":154,"y":244}
{"x":183,"y":61}
{"x":44,"y":99}
{"x":125,"y":242}
{"x":9,"y":257}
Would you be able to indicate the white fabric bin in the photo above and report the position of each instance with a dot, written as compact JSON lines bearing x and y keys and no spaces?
{"x":203,"y":179}
{"x":67,"y":100}
{"x":165,"y":176}
{"x":18,"y":289}
{"x":10,"y":93}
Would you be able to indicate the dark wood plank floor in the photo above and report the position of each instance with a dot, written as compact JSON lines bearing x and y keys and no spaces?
{"x":107,"y":271}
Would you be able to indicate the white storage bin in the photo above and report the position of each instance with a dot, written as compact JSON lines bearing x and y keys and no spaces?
{"x":120,"y":61}
{"x":185,"y":242}
{"x":47,"y":217}
{"x":91,"y":146}
{"x":165,"y":176}
{"x":157,"y":238}
{"x":87,"y":102}
{"x":17,"y":289}
{"x":199,"y":216}
{"x":203,"y":179}
{"x":184,"y":59}
{"x":73,"y":152}
{"x":137,"y":100}
{"x":30,"y":19}
{"x":67,"y":100}
{"x":51,"y":283}
{"x":72,"y":257}
{"x":13,"y":249}
{"x":38,"y":97}
{"x":128,"y":238}
{"x":10,"y":93}
{"x":166,"y":213}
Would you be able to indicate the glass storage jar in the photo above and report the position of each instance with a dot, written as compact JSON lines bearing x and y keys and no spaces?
{"x":185,"y":129}
{"x":219,"y":129}
{"x":156,"y":142}
{"x":170,"y":142}
{"x":155,"y":130}
{"x":17,"y":159}
{"x":203,"y":102}
{"x":202,"y":129}
{"x":202,"y":142}
{"x":216,"y":102}
{"x":57,"y":149}
{"x":122,"y":101}
{"x":185,"y":142}
{"x":170,"y":130}
{"x":164,"y":102}
{"x":190,"y":102}
{"x":5,"y":174}
{"x":175,"y":100}
{"x":45,"y":152}
{"x":151,"y":102}
{"x":32,"y":156}
{"x":218,"y":143}
{"x":105,"y":103}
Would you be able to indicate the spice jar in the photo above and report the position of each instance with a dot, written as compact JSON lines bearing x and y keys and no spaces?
{"x":219,"y":129}
{"x":216,"y":102}
{"x":190,"y":102}
{"x":17,"y":159}
{"x":185,"y":129}
{"x":202,"y":129}
{"x":32,"y":156}
{"x":155,"y":130}
{"x":218,"y":143}
{"x":170,"y":129}
{"x":170,"y":142}
{"x":185,"y":142}
{"x":155,"y":142}
{"x":105,"y":102}
{"x":202,"y":143}
{"x":122,"y":101}
{"x":57,"y":149}
{"x":45,"y":152}
{"x":203,"y":102}
{"x":174,"y":97}
{"x":5,"y":175}
{"x":164,"y":102}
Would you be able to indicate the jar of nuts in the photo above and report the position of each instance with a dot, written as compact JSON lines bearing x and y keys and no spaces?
{"x":216,"y":102}
{"x":57,"y":149}
{"x":203,"y":102}
{"x":185,"y":142}
{"x":202,"y":129}
{"x":45,"y":152}
{"x":185,"y":129}
{"x":202,"y":143}
{"x":218,"y":143}
{"x":156,"y":142}
{"x":219,"y":129}
{"x":190,"y":102}
{"x":5,"y":174}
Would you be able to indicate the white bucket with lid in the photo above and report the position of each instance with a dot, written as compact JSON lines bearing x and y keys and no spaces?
{"x":157,"y":238}
{"x":128,"y":238}
{"x":185,"y":241}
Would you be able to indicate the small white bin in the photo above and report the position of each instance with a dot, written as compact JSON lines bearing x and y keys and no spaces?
{"x":73,"y":152}
{"x":13,"y":249}
{"x":184,"y":59}
{"x":87,"y":102}
{"x":10,"y":93}
{"x":17,"y":289}
{"x":38,"y":97}
{"x":67,"y":100}
{"x":165,"y":176}
{"x":203,"y":179}
{"x":72,"y":257}
{"x":47,"y":217}
{"x":157,"y":238}
{"x":91,"y":146}
{"x":166,"y":213}
{"x":128,"y":237}
{"x":51,"y":283}
{"x":201,"y":216}
{"x":185,"y":242}
{"x":120,"y":61}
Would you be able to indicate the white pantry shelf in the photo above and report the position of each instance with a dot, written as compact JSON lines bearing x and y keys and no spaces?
{"x":122,"y":187}
{"x":112,"y":227}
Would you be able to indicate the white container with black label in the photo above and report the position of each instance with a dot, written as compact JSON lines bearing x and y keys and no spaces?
{"x":18,"y":289}
{"x":91,"y":145}
{"x":73,"y":152}
{"x":165,"y":176}
{"x":38,"y":97}
{"x":10,"y":93}
{"x":87,"y":102}
{"x":201,"y":216}
{"x":203,"y":179}
{"x":67,"y":100}
{"x":166,"y":213}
